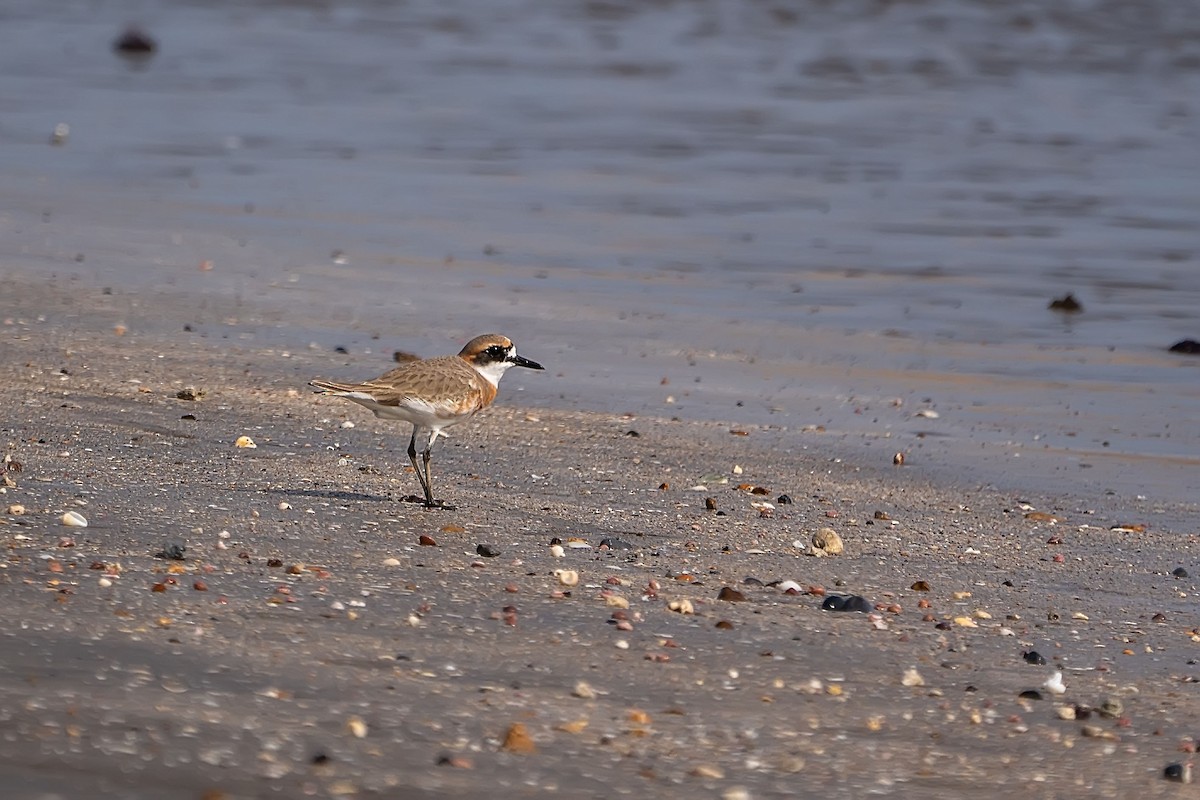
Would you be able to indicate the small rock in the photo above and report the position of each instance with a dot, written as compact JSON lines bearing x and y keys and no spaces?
{"x":73,"y":519}
{"x":1067,"y":304}
{"x":683,"y":606}
{"x":16,"y":509}
{"x":615,"y":544}
{"x":135,"y":43}
{"x":1179,"y":572}
{"x":1111,"y":708}
{"x":246,"y":442}
{"x":731,"y":595}
{"x":1030,"y":694}
{"x":826,"y":542}
{"x":487,"y":550}
{"x":427,"y":541}
{"x":356,"y":727}
{"x":1188,"y":347}
{"x":912,"y":678}
{"x":1065,"y":712}
{"x":920,"y":586}
{"x":1180,"y":773}
{"x":1033,"y":657}
{"x":847,"y":603}
{"x":1054,"y":684}
{"x":517,"y":740}
{"x":584,"y":691}
{"x":784,"y":500}
{"x":567,"y":577}
{"x":172,"y":551}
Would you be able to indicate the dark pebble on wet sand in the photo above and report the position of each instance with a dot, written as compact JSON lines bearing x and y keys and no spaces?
{"x":1188,"y":347}
{"x":1033,"y":657}
{"x":783,"y":500}
{"x":1031,"y":694}
{"x":1067,"y":303}
{"x":135,"y":42}
{"x":487,"y":550}
{"x":1179,"y":572}
{"x":172,"y":551}
{"x":731,"y":595}
{"x":846,"y":603}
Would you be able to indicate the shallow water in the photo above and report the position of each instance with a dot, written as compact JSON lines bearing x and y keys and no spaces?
{"x":795,"y":214}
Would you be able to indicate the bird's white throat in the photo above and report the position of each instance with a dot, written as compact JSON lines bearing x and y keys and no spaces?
{"x":493,"y":371}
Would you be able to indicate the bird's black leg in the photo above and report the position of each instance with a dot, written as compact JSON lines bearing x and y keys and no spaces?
{"x":428,"y":483}
{"x":421,"y":476}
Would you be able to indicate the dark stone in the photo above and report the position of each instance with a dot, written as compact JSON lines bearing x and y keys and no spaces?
{"x":851,"y":602}
{"x":1031,"y":694}
{"x":1177,"y":772}
{"x":615,"y":544}
{"x":1033,"y":657}
{"x":1189,"y":347}
{"x":135,"y":42}
{"x":731,"y":595}
{"x":1179,"y":572}
{"x":172,"y":551}
{"x":783,"y":500}
{"x":487,"y":550}
{"x":1066,"y":304}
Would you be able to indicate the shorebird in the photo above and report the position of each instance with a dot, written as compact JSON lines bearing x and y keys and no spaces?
{"x":434,"y":393}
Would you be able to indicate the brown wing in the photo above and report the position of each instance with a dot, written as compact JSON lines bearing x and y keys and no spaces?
{"x":448,"y":378}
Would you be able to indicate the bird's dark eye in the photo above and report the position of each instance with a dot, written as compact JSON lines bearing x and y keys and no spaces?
{"x":497,"y":352}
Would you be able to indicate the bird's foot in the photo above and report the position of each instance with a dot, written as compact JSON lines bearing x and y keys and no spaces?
{"x":432,"y":504}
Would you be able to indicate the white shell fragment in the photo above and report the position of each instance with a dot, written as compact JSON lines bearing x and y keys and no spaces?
{"x":73,"y":519}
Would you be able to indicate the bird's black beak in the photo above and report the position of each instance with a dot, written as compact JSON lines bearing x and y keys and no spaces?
{"x":518,"y":361}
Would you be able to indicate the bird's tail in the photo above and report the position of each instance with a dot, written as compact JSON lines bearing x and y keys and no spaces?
{"x":328,"y":387}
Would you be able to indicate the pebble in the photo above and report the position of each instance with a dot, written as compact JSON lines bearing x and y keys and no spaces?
{"x":172,"y":551}
{"x":567,"y":577}
{"x":16,"y":509}
{"x":616,"y":544}
{"x":487,"y":550}
{"x":584,"y":691}
{"x":391,"y":562}
{"x":683,"y":606}
{"x":790,"y":586}
{"x":784,"y":500}
{"x":710,"y":771}
{"x":73,"y":519}
{"x":912,"y":678}
{"x":731,"y":595}
{"x":246,"y":442}
{"x":557,"y":551}
{"x":965,"y":622}
{"x":826,"y":542}
{"x":1033,"y":657}
{"x":1111,"y":708}
{"x":1180,"y":773}
{"x":847,"y":603}
{"x":357,"y":727}
{"x":1054,"y":684}
{"x":1065,"y":712}
{"x":517,"y":740}
{"x":427,"y":541}
{"x":1179,"y":572}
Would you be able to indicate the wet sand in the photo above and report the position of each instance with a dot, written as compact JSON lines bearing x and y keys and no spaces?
{"x":330,"y":654}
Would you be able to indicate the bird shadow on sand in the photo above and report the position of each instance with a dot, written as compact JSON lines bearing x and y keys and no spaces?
{"x":333,"y":494}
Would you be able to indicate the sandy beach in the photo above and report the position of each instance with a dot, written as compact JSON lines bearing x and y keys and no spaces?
{"x":308,"y":644}
{"x":761,"y":249}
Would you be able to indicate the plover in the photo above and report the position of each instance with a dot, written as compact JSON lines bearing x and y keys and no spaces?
{"x":435,"y":393}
